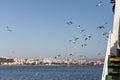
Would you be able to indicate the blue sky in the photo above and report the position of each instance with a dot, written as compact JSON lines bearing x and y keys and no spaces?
{"x":39,"y":27}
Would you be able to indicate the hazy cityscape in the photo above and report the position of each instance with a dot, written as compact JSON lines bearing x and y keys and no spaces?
{"x":48,"y":61}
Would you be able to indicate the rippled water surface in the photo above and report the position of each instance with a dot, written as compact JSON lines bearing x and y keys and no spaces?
{"x":50,"y":72}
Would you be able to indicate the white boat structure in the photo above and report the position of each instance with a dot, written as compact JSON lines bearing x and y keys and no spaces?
{"x":111,"y":68}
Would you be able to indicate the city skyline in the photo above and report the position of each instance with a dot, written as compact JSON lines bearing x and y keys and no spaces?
{"x":38,"y":28}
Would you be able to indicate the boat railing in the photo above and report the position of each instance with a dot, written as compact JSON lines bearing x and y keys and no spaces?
{"x":105,"y":67}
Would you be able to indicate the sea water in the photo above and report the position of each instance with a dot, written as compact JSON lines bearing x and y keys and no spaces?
{"x":50,"y":72}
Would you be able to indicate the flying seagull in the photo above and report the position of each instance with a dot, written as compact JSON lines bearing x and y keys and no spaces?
{"x":70,"y":54}
{"x":74,"y":39}
{"x":8,"y":29}
{"x":69,"y":22}
{"x":83,"y":45}
{"x":105,"y":23}
{"x":99,"y":4}
{"x":100,"y":27}
{"x":78,"y":26}
{"x":104,"y":33}
{"x":88,"y":37}
{"x":82,"y":31}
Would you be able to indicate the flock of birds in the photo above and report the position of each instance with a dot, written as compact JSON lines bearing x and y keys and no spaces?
{"x":85,"y":36}
{"x":88,"y":37}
